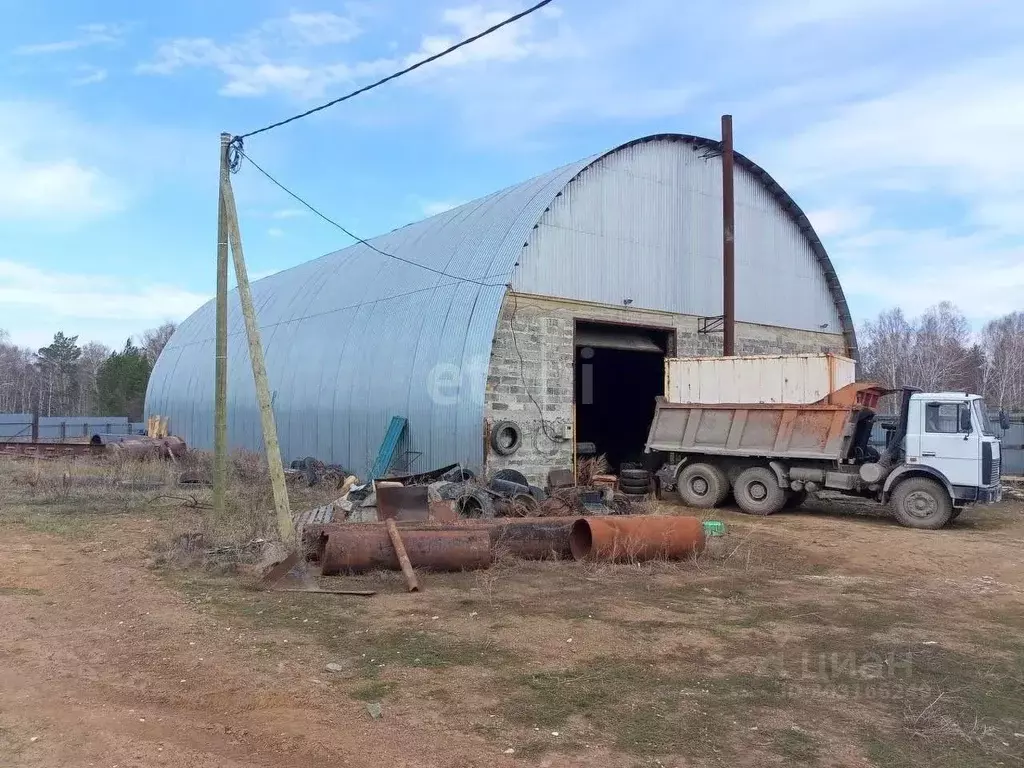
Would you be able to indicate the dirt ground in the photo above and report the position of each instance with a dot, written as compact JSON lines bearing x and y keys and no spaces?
{"x":823,"y":637}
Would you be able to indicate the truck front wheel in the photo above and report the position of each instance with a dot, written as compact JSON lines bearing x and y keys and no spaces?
{"x":702,"y":485}
{"x":920,"y":502}
{"x":757,"y":492}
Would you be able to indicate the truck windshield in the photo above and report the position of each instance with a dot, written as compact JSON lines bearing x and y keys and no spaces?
{"x":981,"y":416}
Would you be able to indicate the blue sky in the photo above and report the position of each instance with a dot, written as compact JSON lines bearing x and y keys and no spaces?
{"x":898,"y":125}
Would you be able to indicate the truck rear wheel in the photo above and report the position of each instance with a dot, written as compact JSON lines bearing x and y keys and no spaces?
{"x":757,"y":492}
{"x":702,"y":485}
{"x":920,"y":502}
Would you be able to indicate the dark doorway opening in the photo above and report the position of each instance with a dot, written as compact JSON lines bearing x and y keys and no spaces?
{"x":619,"y":371}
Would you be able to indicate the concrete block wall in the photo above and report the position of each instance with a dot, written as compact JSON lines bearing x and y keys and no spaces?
{"x":531,"y":368}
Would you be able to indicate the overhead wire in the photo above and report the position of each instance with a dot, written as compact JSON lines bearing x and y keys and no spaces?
{"x":401,"y":72}
{"x":522,"y":369}
{"x":371,"y":246}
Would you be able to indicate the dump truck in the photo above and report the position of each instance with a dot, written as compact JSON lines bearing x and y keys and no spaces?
{"x":940,"y":454}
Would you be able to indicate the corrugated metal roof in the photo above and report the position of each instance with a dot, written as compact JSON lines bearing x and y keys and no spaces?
{"x":354,"y":338}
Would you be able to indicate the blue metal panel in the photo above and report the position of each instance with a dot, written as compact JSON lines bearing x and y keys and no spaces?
{"x":353,"y":338}
{"x":388,"y":448}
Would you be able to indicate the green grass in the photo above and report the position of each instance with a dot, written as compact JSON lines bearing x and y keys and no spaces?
{"x":20,"y":591}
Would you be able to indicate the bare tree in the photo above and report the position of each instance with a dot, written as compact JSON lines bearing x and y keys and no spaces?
{"x":935,"y":352}
{"x":1002,"y":341}
{"x":93,"y":356}
{"x":154,"y":340}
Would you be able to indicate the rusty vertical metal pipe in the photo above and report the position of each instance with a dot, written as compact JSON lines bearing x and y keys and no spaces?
{"x":728,"y":242}
{"x":635,"y":537}
{"x":403,"y":557}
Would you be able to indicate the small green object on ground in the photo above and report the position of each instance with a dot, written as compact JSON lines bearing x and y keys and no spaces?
{"x":714,"y":528}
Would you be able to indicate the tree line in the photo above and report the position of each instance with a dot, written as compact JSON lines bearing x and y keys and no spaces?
{"x":939,"y":352}
{"x":68,"y":379}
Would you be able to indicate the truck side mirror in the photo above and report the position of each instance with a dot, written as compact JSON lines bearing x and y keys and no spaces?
{"x":1004,"y":420}
{"x":965,"y":420}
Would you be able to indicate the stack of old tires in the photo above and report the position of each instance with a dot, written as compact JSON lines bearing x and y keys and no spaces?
{"x":634,"y":481}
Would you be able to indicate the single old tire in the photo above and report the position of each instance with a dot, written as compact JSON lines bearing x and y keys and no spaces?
{"x":506,"y":437}
{"x":920,"y":502}
{"x":757,"y":492}
{"x":512,"y":475}
{"x":628,"y":473}
{"x":702,"y":485}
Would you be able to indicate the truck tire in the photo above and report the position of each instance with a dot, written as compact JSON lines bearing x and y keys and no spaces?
{"x":702,"y":485}
{"x":920,"y":502}
{"x":757,"y":492}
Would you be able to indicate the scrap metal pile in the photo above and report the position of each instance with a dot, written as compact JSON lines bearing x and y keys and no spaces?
{"x":448,"y":520}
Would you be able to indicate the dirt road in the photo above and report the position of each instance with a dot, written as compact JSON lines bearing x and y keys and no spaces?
{"x":107,"y":662}
{"x":103,"y":665}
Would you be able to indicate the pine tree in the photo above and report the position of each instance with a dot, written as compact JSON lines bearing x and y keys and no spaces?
{"x":121,"y":382}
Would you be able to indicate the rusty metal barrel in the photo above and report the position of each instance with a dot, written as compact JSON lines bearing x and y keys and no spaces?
{"x":360,"y":548}
{"x":635,"y":537}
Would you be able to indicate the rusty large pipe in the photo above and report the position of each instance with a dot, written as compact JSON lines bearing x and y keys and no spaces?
{"x":355,"y":549}
{"x":635,"y":537}
{"x":531,"y":538}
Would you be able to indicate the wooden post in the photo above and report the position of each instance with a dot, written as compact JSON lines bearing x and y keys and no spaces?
{"x":285,"y":525}
{"x":220,"y":387}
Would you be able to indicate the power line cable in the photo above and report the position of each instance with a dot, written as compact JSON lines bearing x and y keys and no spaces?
{"x":358,"y":239}
{"x":396,"y":75}
{"x":553,"y":437}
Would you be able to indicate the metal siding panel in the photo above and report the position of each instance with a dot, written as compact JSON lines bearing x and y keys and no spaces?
{"x":654,"y":208}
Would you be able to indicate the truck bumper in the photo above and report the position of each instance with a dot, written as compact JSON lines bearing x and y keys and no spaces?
{"x":990,"y":495}
{"x":968,"y":494}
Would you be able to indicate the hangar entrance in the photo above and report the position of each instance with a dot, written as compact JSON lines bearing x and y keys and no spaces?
{"x":618,"y":371}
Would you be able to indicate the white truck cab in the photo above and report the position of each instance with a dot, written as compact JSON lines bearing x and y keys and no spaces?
{"x":948,"y":436}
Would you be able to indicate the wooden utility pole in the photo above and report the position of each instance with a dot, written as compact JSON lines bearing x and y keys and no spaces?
{"x":285,"y":525}
{"x":220,"y":390}
{"x":728,"y":242}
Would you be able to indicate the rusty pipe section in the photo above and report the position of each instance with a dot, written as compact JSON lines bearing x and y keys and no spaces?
{"x":635,"y":537}
{"x":531,"y":538}
{"x":360,"y":548}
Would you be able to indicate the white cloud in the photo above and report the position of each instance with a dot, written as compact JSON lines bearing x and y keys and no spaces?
{"x":89,"y":35}
{"x":288,"y":213}
{"x":89,"y":76}
{"x":839,"y":220}
{"x":956,"y":130}
{"x":52,"y":297}
{"x":286,"y":55}
{"x":275,"y":232}
{"x":917,"y":268}
{"x":40,"y":176}
{"x":279,"y":56}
